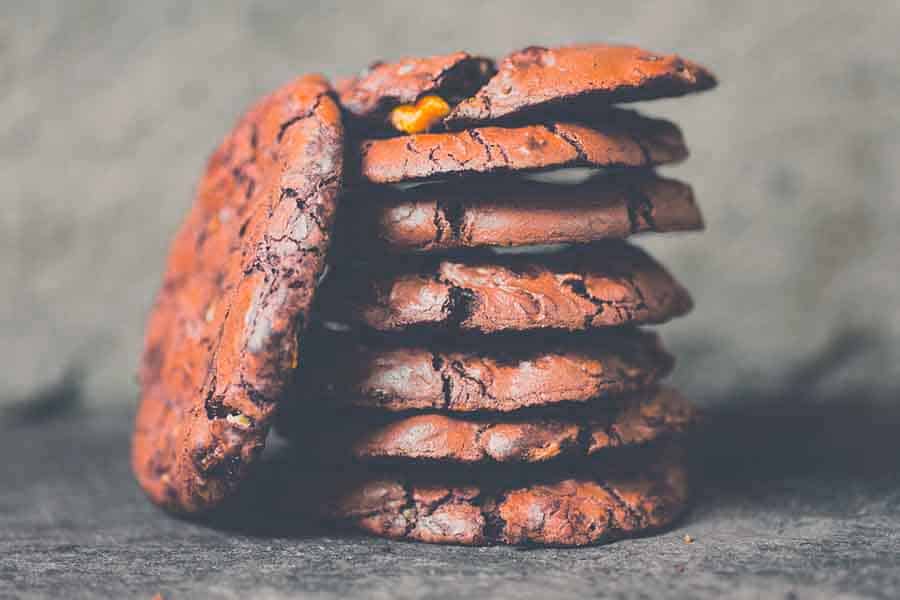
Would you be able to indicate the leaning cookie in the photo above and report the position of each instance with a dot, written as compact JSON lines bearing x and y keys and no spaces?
{"x":611,"y":139}
{"x":513,"y":211}
{"x":566,"y":509}
{"x":497,"y":373}
{"x":606,"y":284}
{"x":224,"y":333}
{"x":525,"y":437}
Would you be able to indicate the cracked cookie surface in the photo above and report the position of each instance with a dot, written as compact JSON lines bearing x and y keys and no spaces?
{"x":512,"y":211}
{"x":538,"y":78}
{"x":371,"y":95}
{"x":497,"y":373}
{"x":605,"y":284}
{"x":533,"y":436}
{"x":534,"y":79}
{"x":613,"y":138}
{"x":565,"y":509}
{"x":224,"y":333}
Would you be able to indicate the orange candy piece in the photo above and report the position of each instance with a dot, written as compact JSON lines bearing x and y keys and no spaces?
{"x":421,"y":116}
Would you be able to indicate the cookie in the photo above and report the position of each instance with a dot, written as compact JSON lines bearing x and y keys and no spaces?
{"x":524,"y":437}
{"x":539,"y":78}
{"x":464,"y":90}
{"x":497,"y":373}
{"x":617,"y":138}
{"x":374,"y":93}
{"x":606,"y":284}
{"x":562,"y":509}
{"x":223,"y":334}
{"x":513,"y":212}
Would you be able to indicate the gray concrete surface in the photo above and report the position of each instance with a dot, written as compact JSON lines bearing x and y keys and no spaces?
{"x":109,"y":109}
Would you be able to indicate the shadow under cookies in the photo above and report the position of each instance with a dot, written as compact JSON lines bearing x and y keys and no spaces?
{"x":809,"y":430}
{"x":849,"y":440}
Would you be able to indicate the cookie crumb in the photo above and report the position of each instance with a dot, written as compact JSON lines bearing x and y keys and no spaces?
{"x":688,"y":539}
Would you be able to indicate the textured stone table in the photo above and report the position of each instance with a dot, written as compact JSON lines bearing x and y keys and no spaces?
{"x":796,"y":503}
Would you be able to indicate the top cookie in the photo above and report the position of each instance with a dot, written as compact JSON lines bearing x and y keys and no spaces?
{"x":538,"y":78}
{"x":241,"y":275}
{"x":452,"y":91}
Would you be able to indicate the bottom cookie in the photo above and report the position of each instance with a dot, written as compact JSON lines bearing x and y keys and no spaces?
{"x":564,"y":510}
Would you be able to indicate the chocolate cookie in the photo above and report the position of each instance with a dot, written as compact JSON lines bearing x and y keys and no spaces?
{"x":374,"y":93}
{"x":513,"y":212}
{"x":414,"y":95}
{"x":542,"y":78}
{"x":617,"y":138}
{"x":241,"y":275}
{"x":497,"y":373}
{"x":567,"y":509}
{"x":608,"y":283}
{"x":529,"y":436}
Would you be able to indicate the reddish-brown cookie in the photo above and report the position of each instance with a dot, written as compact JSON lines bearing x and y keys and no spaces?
{"x":534,"y":79}
{"x":497,"y":373}
{"x":513,"y":212}
{"x":524,"y":437}
{"x":241,"y":275}
{"x":617,"y":138}
{"x":606,"y":284}
{"x":373,"y":94}
{"x":566,"y":509}
{"x":542,"y":78}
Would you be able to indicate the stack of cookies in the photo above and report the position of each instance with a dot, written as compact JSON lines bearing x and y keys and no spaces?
{"x":503,"y":396}
{"x":465,"y":363}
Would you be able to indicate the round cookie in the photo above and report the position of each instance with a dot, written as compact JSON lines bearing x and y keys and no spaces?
{"x":224,"y":332}
{"x":529,"y":80}
{"x":498,"y":373}
{"x":538,"y":78}
{"x":567,"y":509}
{"x":617,"y":138}
{"x":606,"y":284}
{"x":383,"y":86}
{"x":524,"y":437}
{"x":513,"y":212}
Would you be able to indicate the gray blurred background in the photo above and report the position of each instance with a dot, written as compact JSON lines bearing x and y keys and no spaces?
{"x":108,"y":111}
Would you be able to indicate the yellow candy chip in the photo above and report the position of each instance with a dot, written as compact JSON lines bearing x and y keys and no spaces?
{"x":421,"y":116}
